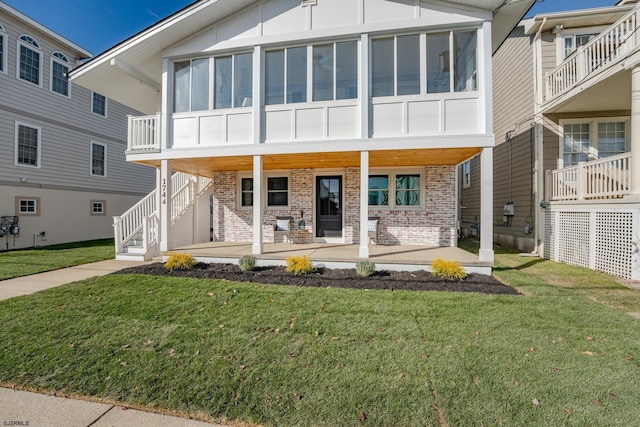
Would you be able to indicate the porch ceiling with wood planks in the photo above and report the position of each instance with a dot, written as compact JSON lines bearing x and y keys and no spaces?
{"x":206,"y":166}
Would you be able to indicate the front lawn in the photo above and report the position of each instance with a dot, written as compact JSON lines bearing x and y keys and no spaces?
{"x":290,"y":356}
{"x":25,"y":262}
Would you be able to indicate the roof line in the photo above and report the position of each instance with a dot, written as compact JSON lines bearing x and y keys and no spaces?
{"x":46,"y":30}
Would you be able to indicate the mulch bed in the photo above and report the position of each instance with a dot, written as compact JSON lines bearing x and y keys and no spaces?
{"x":335,"y":278}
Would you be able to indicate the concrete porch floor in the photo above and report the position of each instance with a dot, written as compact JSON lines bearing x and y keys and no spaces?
{"x":331,"y":255}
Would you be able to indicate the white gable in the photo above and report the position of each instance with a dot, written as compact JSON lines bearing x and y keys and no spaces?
{"x":282,"y":21}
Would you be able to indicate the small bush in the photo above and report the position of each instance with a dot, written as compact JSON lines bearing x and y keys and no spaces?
{"x":300,"y":265}
{"x":180,"y":262}
{"x":365,"y":268}
{"x":451,"y":270}
{"x":247,"y":263}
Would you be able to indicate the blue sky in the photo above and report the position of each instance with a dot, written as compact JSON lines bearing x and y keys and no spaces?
{"x":97,"y":25}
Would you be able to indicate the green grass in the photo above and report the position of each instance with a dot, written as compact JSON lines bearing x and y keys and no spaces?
{"x":287,"y":356}
{"x":25,"y":262}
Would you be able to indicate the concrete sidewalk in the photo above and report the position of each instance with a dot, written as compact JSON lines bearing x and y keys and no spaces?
{"x":22,"y":408}
{"x":37,"y":282}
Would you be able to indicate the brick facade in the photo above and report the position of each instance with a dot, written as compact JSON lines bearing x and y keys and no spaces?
{"x":433,"y":225}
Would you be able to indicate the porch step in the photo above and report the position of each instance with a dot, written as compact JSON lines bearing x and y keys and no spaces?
{"x":130,"y":257}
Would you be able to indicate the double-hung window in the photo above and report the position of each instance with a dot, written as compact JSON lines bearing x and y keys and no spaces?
{"x":286,"y":76}
{"x":191,"y":85}
{"x":29,"y":58}
{"x":98,"y":159}
{"x":466,"y":174}
{"x":571,"y":42}
{"x":27,"y":145}
{"x":592,"y":139}
{"x":99,"y":104}
{"x":398,"y":190}
{"x":246,"y":192}
{"x":59,"y":70}
{"x":233,"y":81}
{"x":3,"y":48}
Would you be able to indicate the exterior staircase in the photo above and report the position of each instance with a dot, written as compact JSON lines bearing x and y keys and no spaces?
{"x":137,"y":231}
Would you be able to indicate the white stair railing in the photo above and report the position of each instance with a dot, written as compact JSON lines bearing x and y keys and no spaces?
{"x":610,"y":45}
{"x":129,"y":225}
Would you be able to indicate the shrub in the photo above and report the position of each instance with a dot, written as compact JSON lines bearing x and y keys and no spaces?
{"x":300,"y":265}
{"x":365,"y":268}
{"x":180,"y":262}
{"x":247,"y":263}
{"x":451,"y":270}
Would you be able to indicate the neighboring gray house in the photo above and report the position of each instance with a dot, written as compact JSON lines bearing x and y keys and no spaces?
{"x":564,"y":185}
{"x":63,"y":172}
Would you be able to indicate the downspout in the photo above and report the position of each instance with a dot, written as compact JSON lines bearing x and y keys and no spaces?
{"x":538,"y":135}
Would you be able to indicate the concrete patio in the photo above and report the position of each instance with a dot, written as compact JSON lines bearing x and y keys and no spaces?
{"x":331,"y":255}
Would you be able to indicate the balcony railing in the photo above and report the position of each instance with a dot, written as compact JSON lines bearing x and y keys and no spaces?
{"x":612,"y":44}
{"x":608,"y":178}
{"x":144,"y":133}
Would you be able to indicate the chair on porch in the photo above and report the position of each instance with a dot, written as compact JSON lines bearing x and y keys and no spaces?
{"x":282,"y":227}
{"x":372,"y":228}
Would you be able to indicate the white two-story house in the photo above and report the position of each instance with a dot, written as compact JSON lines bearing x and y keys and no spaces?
{"x":331,"y":111}
{"x":63,"y":171}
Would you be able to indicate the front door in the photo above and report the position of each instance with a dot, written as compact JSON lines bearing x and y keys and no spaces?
{"x":329,"y":206}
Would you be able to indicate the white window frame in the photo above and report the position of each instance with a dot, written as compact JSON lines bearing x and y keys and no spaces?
{"x":265,"y":190}
{"x":93,"y":143}
{"x":102,"y":203}
{"x":34,"y":47}
{"x":3,"y":61}
{"x":572,"y":32}
{"x":392,"y":173}
{"x":466,"y":174}
{"x":38,"y":164}
{"x":36,"y":204}
{"x":593,"y":134}
{"x":64,"y":62}
{"x":106,"y":104}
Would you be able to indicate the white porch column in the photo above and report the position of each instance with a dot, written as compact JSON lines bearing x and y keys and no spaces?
{"x":257,"y":205}
{"x":165,"y":192}
{"x":486,"y":205}
{"x":635,"y":131}
{"x":364,"y":204}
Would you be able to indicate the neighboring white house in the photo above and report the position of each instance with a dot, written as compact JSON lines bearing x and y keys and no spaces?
{"x":331,"y":110}
{"x":566,"y":108}
{"x":63,"y":172}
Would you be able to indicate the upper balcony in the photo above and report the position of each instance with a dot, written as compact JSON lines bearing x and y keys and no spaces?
{"x":602,"y":53}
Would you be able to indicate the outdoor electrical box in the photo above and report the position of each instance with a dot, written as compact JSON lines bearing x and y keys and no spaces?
{"x":508,"y":210}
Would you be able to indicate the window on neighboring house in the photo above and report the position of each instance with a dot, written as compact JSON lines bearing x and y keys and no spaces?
{"x":335,"y":71}
{"x":571,"y":43}
{"x":27,"y":206}
{"x":592,"y":139}
{"x":27,"y":145}
{"x":277,"y":191}
{"x":98,"y":207}
{"x":191,"y":85}
{"x":466,"y":174}
{"x":3,"y":56}
{"x":286,"y":76}
{"x":59,"y":70}
{"x":611,"y":139}
{"x":246,"y":192}
{"x":98,"y":159}
{"x":233,"y":81}
{"x":98,"y":104}
{"x":405,"y":193}
{"x":29,"y":67}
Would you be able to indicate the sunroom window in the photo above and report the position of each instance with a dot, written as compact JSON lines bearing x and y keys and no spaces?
{"x":335,"y":69}
{"x":466,"y":60}
{"x":233,"y":81}
{"x":191,"y":85}
{"x":286,"y":76}
{"x":396,"y":66}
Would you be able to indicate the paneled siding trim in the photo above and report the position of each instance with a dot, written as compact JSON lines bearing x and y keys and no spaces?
{"x":433,"y":225}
